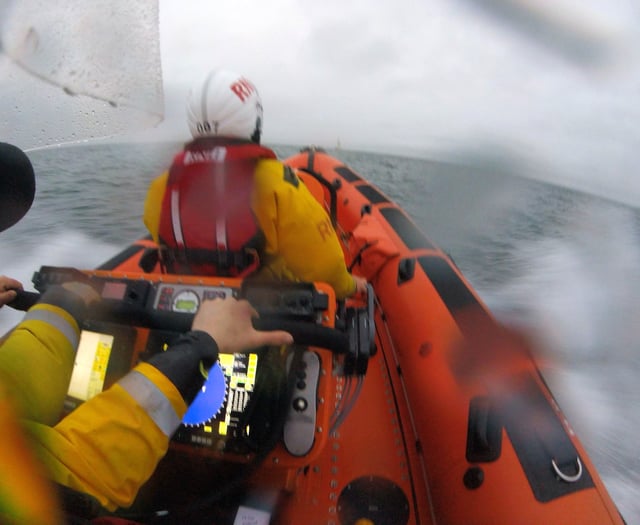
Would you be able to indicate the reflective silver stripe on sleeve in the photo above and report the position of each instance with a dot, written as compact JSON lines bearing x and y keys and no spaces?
{"x":152,"y":400}
{"x":57,"y":322}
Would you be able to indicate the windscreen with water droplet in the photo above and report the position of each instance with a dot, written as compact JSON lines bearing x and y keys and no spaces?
{"x":73,"y":70}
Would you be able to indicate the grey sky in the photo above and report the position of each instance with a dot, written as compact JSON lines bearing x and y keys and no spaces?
{"x":551,"y":86}
{"x":546,"y":88}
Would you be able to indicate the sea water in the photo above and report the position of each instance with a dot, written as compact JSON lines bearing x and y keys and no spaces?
{"x":560,"y":264}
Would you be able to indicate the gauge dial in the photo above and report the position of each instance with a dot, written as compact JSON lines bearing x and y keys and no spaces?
{"x":186,"y":301}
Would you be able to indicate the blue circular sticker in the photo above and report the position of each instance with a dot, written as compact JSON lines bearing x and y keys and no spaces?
{"x":209,"y":400}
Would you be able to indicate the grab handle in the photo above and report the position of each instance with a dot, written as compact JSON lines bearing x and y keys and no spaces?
{"x":566,"y":477}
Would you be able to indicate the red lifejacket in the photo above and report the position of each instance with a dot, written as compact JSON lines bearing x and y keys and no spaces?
{"x":207,"y":226}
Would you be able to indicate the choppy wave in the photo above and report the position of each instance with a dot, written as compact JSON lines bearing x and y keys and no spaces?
{"x":64,"y":248}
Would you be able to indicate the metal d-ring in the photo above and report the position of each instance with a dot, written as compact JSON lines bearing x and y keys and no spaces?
{"x":565,"y":477}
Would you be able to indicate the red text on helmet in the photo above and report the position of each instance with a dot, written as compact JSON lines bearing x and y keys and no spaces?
{"x":242,"y":88}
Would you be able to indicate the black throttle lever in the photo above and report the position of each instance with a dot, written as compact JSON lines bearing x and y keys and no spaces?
{"x":303,"y":333}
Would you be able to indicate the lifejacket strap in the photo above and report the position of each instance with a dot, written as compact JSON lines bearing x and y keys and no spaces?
{"x":177,"y":260}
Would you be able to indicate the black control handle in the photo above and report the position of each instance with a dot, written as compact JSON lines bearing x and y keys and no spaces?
{"x":24,"y":300}
{"x":304,"y":333}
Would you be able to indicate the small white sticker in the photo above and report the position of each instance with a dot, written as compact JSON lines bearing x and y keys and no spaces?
{"x":249,"y":516}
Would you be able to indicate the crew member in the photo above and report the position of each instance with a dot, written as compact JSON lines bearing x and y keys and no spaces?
{"x":110,"y":445}
{"x":228,"y":206}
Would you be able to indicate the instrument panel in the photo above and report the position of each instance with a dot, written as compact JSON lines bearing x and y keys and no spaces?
{"x":234,"y":414}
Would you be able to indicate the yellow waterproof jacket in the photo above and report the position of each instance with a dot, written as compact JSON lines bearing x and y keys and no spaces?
{"x":110,"y":445}
{"x":301,"y":244}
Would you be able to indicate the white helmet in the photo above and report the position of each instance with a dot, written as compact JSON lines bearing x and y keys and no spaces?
{"x":225,"y":104}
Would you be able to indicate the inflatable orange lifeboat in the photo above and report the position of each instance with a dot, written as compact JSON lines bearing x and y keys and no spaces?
{"x":476,"y":433}
{"x":410,"y":406}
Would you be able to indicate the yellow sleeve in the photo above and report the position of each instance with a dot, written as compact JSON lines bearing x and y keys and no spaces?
{"x":36,"y":361}
{"x":153,"y":204}
{"x":300,"y":240}
{"x":109,"y":446}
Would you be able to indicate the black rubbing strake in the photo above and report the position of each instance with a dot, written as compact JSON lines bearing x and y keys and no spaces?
{"x":348,"y":174}
{"x":453,"y":291}
{"x":538,"y":437}
{"x":406,"y":230}
{"x":373,"y":194}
